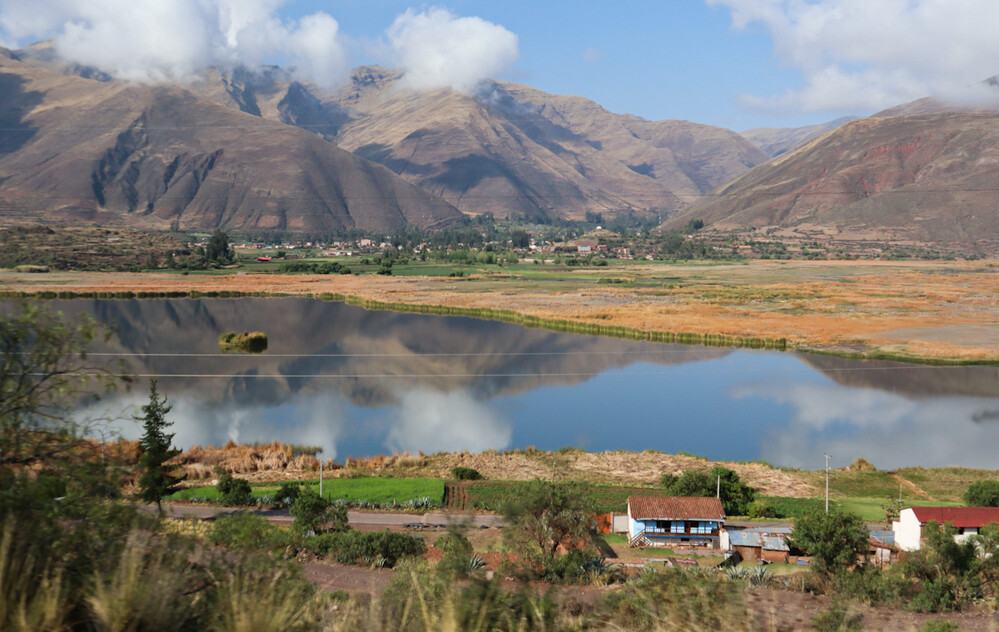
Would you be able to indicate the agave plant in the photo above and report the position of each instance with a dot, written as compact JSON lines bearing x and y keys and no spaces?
{"x":475,"y":563}
{"x":737,"y":573}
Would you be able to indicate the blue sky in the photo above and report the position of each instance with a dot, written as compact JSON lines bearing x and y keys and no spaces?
{"x":656,"y":59}
{"x":733,"y":63}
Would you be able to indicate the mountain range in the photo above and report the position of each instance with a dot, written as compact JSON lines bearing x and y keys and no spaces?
{"x":260,"y":151}
{"x":916,"y":174}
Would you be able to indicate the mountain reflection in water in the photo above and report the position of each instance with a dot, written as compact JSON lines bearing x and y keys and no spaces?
{"x":361,"y":382}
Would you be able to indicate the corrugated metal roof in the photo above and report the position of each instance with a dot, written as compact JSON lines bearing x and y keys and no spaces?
{"x":675,"y":508}
{"x":774,"y":530}
{"x":775,"y":543}
{"x":745,"y":538}
{"x":759,"y":539}
{"x":961,"y":517}
{"x":885,"y":537}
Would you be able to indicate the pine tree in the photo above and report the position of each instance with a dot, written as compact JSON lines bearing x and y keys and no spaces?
{"x":157,"y":479}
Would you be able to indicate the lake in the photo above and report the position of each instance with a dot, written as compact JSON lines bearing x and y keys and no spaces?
{"x":359,"y":383}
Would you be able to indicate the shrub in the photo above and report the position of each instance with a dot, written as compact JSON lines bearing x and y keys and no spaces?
{"x":286,"y":495}
{"x":233,"y":491}
{"x":983,"y":494}
{"x":248,"y":531}
{"x":835,"y":540}
{"x":678,"y":599}
{"x":465,"y":474}
{"x":938,"y":625}
{"x":383,"y":548}
{"x":872,"y":586}
{"x":838,"y":619}
{"x":315,"y":515}
{"x":457,"y":554}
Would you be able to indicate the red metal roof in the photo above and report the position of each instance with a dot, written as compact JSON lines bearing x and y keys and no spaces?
{"x":961,"y":517}
{"x":675,"y":508}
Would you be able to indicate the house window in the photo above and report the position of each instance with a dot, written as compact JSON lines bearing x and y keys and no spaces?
{"x":677,"y":526}
{"x":702,"y":528}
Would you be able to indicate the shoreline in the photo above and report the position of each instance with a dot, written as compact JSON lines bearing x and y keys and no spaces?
{"x":901,"y":312}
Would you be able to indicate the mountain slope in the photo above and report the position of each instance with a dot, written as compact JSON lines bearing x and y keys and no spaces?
{"x":927,"y":177}
{"x":78,"y":149}
{"x":509,"y":150}
{"x":780,"y":140}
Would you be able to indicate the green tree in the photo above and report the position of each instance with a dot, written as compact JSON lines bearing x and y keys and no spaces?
{"x":44,"y":369}
{"x":218,"y":249}
{"x":234,"y":491}
{"x":946,"y":571}
{"x":547,"y":516}
{"x":834,"y":540}
{"x":735,"y":495}
{"x":314,"y":514}
{"x":983,"y":494}
{"x":520,"y":239}
{"x":157,"y":479}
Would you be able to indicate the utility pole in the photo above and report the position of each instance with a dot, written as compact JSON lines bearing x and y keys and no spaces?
{"x":320,"y":453}
{"x":718,"y":488}
{"x":827,"y":483}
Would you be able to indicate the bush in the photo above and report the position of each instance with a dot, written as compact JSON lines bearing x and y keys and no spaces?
{"x":457,"y":554}
{"x":763,"y":509}
{"x":382,"y":548}
{"x":248,"y":531}
{"x":983,"y":494}
{"x":315,"y":515}
{"x":286,"y":495}
{"x":938,"y":625}
{"x":678,"y":599}
{"x":872,"y":586}
{"x":466,"y":474}
{"x":835,"y":540}
{"x":234,"y":492}
{"x":838,"y":619}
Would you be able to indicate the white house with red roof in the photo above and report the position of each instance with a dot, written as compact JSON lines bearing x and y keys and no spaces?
{"x":674,"y":521}
{"x":967,"y":520}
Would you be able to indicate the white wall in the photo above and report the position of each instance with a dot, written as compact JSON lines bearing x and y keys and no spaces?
{"x":907,"y":530}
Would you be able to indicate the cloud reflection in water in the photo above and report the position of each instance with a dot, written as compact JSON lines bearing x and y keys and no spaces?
{"x":452,"y":421}
{"x":888,"y":430}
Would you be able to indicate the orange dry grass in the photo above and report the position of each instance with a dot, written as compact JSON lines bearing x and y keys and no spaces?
{"x":924,"y":308}
{"x":274,"y":461}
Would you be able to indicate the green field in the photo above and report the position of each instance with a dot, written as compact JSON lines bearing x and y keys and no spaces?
{"x":490,"y":495}
{"x":372,"y":491}
{"x":872,"y":509}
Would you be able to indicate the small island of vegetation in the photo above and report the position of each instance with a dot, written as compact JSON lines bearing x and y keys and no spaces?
{"x":246,"y":342}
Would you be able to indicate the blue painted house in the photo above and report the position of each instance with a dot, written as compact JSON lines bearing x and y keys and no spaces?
{"x":674,"y":521}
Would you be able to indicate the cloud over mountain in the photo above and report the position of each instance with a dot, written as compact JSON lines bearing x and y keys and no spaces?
{"x":152,"y":41}
{"x":864,"y":54}
{"x":438,"y":50}
{"x":161,"y":41}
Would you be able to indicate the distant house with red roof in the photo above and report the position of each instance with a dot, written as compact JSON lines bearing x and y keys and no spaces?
{"x":674,"y":521}
{"x":967,"y":520}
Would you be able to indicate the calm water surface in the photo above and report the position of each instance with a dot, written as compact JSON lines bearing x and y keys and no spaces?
{"x":362,"y":382}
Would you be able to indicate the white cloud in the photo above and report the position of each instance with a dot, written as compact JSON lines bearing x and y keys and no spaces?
{"x":870,"y":54}
{"x":591,"y":55}
{"x":171,"y":40}
{"x":432,"y":421}
{"x":437,"y":49}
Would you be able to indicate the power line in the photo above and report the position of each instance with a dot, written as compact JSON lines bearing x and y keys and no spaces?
{"x":553,"y":374}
